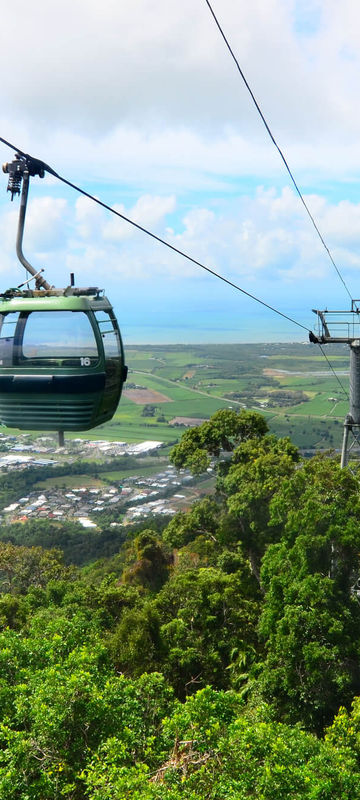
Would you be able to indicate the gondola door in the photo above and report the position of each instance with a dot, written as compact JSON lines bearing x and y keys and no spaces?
{"x":115,"y":371}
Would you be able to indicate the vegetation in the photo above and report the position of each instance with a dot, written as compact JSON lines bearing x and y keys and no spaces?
{"x":212,"y":657}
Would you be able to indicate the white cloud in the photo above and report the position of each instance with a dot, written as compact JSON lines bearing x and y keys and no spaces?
{"x":102,"y":65}
{"x":45,"y":220}
{"x":342,"y":223}
{"x":263,"y":235}
{"x":44,"y":236}
{"x":142,"y":105}
{"x":146,"y":94}
{"x":148,"y":212}
{"x":89,"y":218}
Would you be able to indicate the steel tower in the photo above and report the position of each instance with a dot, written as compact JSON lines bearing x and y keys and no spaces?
{"x":343,"y":327}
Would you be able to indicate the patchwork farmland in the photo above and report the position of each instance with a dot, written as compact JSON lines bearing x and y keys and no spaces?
{"x":291,"y":384}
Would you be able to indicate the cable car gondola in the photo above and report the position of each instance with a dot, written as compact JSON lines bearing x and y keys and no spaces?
{"x":61,"y":354}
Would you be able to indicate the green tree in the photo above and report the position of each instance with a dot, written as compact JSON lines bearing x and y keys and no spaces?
{"x":23,"y":567}
{"x":217,"y":752}
{"x":136,"y":645}
{"x":310,"y":621}
{"x":150,"y":564}
{"x":344,"y":733}
{"x":201,"y":519}
{"x":256,"y":473}
{"x":205,"y":614}
{"x":148,"y":411}
{"x":223,"y":432}
{"x":63,"y":716}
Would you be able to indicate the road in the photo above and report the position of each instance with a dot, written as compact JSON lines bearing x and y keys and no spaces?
{"x":184,"y":386}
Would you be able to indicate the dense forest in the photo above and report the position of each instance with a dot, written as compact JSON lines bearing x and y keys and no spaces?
{"x":214,"y":657}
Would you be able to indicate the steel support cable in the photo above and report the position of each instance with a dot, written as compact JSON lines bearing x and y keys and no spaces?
{"x":154,"y":236}
{"x":298,"y":191}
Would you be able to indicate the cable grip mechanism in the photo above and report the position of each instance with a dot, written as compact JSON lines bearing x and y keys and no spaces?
{"x":19,"y":172}
{"x":16,"y":170}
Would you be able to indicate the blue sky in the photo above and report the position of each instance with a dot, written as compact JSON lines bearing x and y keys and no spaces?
{"x":141,"y":105}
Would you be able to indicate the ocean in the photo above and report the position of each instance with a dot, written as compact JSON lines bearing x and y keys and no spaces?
{"x":221,"y":328}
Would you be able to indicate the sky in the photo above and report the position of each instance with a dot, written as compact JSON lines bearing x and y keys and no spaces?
{"x":140,"y":104}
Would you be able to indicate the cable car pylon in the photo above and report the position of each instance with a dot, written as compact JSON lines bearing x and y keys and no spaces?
{"x":343,"y":327}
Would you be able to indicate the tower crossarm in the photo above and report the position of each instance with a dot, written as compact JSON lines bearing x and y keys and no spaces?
{"x":343,"y":327}
{"x":337,"y":327}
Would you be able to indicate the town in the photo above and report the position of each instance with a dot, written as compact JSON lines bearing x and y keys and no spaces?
{"x":165,"y":491}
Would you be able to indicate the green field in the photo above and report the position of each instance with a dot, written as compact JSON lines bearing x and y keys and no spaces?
{"x":199,"y":379}
{"x":75,"y":481}
{"x":70,"y":482}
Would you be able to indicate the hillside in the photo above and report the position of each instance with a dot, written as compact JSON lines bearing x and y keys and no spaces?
{"x":214,"y":655}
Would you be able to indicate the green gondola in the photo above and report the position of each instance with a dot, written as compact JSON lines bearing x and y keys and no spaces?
{"x":61,"y":354}
{"x":61,"y":361}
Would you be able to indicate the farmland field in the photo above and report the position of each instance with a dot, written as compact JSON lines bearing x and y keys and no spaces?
{"x":291,"y":384}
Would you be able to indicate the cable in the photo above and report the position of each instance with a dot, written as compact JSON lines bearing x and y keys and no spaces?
{"x":333,"y":371}
{"x":277,"y":146}
{"x":154,"y":236}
